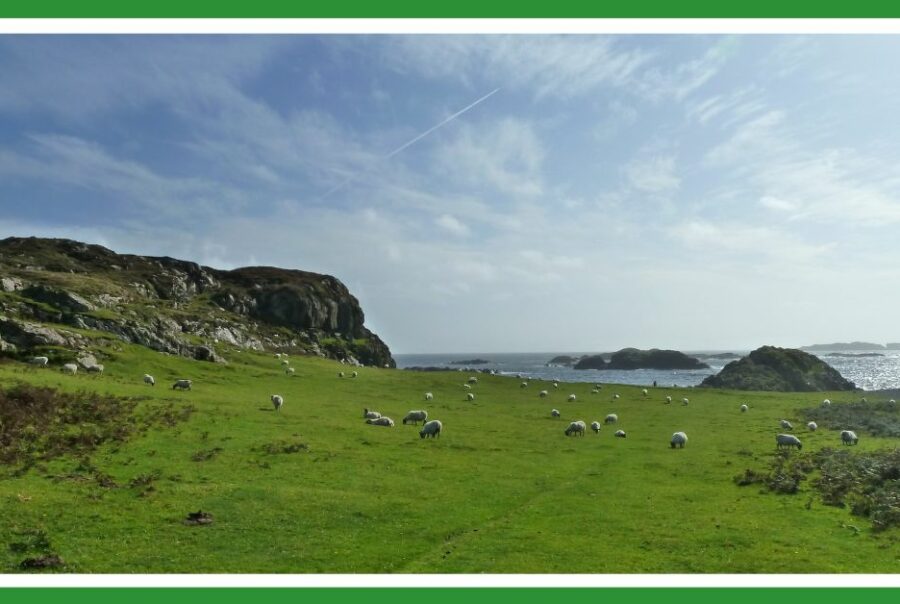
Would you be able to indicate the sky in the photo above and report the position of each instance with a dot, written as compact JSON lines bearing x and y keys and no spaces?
{"x":486,"y":193}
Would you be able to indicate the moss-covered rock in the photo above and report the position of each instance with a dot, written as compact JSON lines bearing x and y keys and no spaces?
{"x":779,"y":369}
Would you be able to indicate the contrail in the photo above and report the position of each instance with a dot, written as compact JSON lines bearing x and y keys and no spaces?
{"x":416,"y":139}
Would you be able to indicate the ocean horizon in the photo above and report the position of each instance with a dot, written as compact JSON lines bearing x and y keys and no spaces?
{"x":867,"y":372}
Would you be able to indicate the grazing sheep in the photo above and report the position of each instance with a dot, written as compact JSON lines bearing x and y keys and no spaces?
{"x":277,"y":401}
{"x":148,"y":379}
{"x":611,"y":418}
{"x":432,"y":429}
{"x":523,"y":385}
{"x":644,"y":392}
{"x":598,"y":386}
{"x":785,"y":424}
{"x":381,"y":421}
{"x":285,"y":362}
{"x":354,"y":374}
{"x":678,"y":439}
{"x":370,"y":414}
{"x":619,"y":434}
{"x":556,"y":384}
{"x":96,"y":368}
{"x":182,"y":385}
{"x":554,"y":412}
{"x":340,"y":374}
{"x":744,"y":408}
{"x":474,"y":380}
{"x":787,"y":440}
{"x":576,"y":427}
{"x":470,"y":396}
{"x":289,"y":371}
{"x":812,"y":426}
{"x":429,"y":396}
{"x":685,"y":401}
{"x":892,"y":403}
{"x":595,"y":391}
{"x":467,"y":387}
{"x":542,"y":393}
{"x":668,"y":400}
{"x":572,"y":398}
{"x":826,"y":403}
{"x":70,"y":368}
{"x":615,"y":397}
{"x":415,"y":417}
{"x":595,"y":426}
{"x":277,"y":355}
{"x":849,"y":437}
{"x":39,"y":361}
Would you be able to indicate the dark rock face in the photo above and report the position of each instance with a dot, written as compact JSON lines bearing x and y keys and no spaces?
{"x":564,"y":359}
{"x":157,"y":301}
{"x":779,"y":369}
{"x":632,"y":358}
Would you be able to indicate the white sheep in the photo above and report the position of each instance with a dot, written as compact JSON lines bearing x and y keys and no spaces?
{"x":556,"y":384}
{"x":473,"y":379}
{"x":277,"y":355}
{"x":370,"y":414}
{"x":595,"y":391}
{"x":432,"y":429}
{"x":554,"y":412}
{"x":354,"y":374}
{"x":70,"y":368}
{"x":277,"y":401}
{"x":576,"y":427}
{"x":340,"y":374}
{"x":615,"y":397}
{"x":182,"y":385}
{"x":285,"y":362}
{"x":148,"y":379}
{"x":668,"y":400}
{"x":470,"y":396}
{"x":812,"y":426}
{"x":678,"y":439}
{"x":523,"y":385}
{"x":826,"y":403}
{"x":95,"y":368}
{"x":381,"y":421}
{"x":787,"y":440}
{"x":849,"y":437}
{"x":467,"y":387}
{"x":786,"y":425}
{"x":595,"y":426}
{"x":644,"y":392}
{"x":39,"y":361}
{"x":415,"y":417}
{"x":892,"y":403}
{"x":572,"y":398}
{"x":685,"y":401}
{"x":289,"y":371}
{"x":542,"y":393}
{"x":598,"y":386}
{"x":619,"y":434}
{"x":611,"y":418}
{"x":429,"y":396}
{"x":744,"y":408}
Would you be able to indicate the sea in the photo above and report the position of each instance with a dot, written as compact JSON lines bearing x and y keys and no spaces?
{"x":867,"y":372}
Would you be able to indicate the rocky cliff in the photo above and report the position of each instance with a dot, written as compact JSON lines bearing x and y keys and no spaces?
{"x":173,"y":305}
{"x":779,"y":369}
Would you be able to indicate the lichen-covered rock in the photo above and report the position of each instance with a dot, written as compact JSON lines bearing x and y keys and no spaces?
{"x":779,"y":369}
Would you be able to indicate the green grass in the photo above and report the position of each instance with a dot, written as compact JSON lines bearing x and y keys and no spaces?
{"x":314,"y":489}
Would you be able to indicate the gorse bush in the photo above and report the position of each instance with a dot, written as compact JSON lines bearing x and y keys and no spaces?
{"x":878,"y":418}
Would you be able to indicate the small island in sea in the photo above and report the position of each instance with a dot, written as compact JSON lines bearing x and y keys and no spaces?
{"x":470,"y":362}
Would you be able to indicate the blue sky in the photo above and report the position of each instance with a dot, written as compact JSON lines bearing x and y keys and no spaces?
{"x":685,"y":191}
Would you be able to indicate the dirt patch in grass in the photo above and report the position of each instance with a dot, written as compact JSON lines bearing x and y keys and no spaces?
{"x":283,"y":447}
{"x":207,"y":454}
{"x":39,"y":424}
{"x":35,"y":544}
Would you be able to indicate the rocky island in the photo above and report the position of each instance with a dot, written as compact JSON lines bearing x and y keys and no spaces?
{"x":632,"y":358}
{"x":779,"y":369}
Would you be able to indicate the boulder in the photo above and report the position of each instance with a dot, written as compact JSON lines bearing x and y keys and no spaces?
{"x":779,"y":369}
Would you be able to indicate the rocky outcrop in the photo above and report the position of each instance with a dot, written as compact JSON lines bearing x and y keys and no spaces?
{"x":632,"y":358}
{"x":779,"y":369}
{"x":160,"y":302}
{"x":564,"y":360}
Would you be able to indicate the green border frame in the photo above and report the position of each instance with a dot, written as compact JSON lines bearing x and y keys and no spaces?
{"x":455,"y":9}
{"x":459,"y":9}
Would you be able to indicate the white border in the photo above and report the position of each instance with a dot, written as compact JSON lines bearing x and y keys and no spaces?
{"x":449,"y":581}
{"x":449,"y":26}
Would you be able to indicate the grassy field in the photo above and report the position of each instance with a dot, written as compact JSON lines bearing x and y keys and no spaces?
{"x":314,"y":489}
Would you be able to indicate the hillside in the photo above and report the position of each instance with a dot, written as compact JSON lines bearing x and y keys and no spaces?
{"x":313,"y":489}
{"x":173,"y":306}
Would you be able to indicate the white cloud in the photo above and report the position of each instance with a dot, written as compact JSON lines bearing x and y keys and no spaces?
{"x":748,"y":243}
{"x":655,"y":174}
{"x":774,"y":203}
{"x":452,"y":225}
{"x":660,"y":84}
